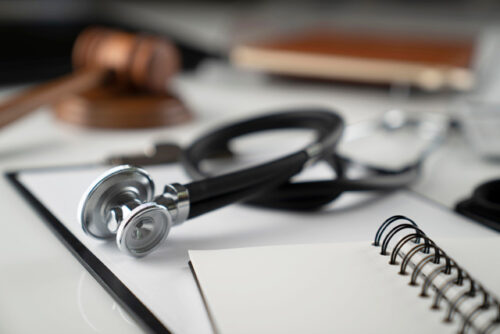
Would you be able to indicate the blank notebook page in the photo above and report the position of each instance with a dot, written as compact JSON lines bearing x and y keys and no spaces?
{"x":327,"y":288}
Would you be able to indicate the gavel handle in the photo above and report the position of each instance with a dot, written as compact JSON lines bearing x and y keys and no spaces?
{"x":20,"y":105}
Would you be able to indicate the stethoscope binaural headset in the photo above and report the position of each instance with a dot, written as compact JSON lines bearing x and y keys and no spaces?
{"x":121,"y":202}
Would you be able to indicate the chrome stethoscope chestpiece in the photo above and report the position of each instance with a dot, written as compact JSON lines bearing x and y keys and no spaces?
{"x":119,"y":203}
{"x":144,"y":229}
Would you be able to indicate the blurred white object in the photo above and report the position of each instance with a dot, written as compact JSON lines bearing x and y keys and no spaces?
{"x":479,"y":111}
{"x":480,"y":120}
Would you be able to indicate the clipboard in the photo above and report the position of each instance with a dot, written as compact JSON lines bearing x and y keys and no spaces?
{"x":92,"y":264}
{"x":143,"y":286}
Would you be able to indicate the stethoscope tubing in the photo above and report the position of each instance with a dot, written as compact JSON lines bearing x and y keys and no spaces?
{"x":211,"y":192}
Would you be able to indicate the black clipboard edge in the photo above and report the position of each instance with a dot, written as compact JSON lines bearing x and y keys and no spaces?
{"x":94,"y":266}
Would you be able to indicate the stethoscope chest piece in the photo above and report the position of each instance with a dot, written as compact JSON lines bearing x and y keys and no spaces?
{"x":144,"y":229}
{"x":119,"y":204}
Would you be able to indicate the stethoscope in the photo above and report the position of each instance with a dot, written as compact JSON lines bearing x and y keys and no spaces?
{"x":121,"y":202}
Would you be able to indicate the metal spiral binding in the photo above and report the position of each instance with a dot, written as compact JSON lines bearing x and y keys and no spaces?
{"x":445,"y":265}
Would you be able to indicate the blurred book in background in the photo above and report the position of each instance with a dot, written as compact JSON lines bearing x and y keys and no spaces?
{"x":426,"y":62}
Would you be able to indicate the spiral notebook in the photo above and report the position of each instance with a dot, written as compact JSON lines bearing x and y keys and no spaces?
{"x":353,"y":288}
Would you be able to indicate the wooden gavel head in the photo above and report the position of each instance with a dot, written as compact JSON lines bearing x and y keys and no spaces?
{"x":139,"y":67}
{"x":142,"y":61}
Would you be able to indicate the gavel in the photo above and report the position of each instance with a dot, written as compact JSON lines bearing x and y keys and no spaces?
{"x":102,"y":58}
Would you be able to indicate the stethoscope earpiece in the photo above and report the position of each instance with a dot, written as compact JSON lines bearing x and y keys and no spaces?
{"x":120,"y":204}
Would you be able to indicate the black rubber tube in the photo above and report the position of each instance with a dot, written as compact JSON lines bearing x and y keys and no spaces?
{"x":245,"y":194}
{"x":211,"y":192}
{"x":231,"y":182}
{"x":268,"y":184}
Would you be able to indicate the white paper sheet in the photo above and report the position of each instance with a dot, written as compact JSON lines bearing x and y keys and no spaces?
{"x":163,"y":280}
{"x":331,"y":288}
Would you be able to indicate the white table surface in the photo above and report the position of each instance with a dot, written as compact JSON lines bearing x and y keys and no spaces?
{"x":44,"y":289}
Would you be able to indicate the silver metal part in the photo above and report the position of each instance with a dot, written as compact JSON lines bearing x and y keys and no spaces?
{"x":143,"y":229}
{"x":112,"y":196}
{"x":314,"y":152}
{"x":161,"y":153}
{"x":120,"y":203}
{"x":431,"y":128}
{"x":175,"y":199}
